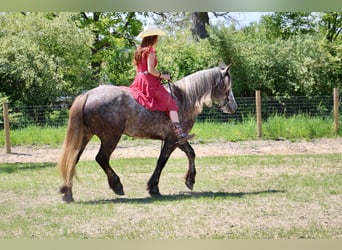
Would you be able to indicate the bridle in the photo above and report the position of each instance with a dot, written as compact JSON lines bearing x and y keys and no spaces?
{"x":222,"y":81}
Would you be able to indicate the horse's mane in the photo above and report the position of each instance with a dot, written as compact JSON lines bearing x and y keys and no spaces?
{"x":194,"y":91}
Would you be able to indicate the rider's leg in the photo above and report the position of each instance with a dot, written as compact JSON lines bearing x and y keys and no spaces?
{"x":181,"y":135}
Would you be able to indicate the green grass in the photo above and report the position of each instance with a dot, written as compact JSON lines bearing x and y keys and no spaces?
{"x":299,"y":126}
{"x":296,"y":127}
{"x":34,"y":135}
{"x":240,"y":197}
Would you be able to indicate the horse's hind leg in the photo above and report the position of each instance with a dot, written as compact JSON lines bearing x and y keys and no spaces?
{"x":107,"y":148}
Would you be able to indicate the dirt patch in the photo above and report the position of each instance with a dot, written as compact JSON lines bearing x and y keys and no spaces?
{"x":147,"y":148}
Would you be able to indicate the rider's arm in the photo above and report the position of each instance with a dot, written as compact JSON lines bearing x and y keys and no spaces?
{"x":152,"y":70}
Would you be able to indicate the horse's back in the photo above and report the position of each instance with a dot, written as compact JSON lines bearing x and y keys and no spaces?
{"x":107,"y":105}
{"x":107,"y":91}
{"x":107,"y":94}
{"x":111,"y":107}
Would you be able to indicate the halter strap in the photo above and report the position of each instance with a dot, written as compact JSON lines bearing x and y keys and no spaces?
{"x":222,"y":81}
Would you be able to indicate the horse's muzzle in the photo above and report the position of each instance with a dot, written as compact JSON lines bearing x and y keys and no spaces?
{"x":229,"y":108}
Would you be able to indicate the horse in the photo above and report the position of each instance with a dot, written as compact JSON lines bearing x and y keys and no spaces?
{"x":109,"y":111}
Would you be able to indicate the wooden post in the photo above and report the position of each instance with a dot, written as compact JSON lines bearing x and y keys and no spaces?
{"x":336,"y":111}
{"x":7,"y":129}
{"x":258,"y":113}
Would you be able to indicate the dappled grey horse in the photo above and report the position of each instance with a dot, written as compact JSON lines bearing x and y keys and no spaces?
{"x":110,"y":111}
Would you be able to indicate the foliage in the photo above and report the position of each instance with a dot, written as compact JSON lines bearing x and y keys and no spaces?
{"x":117,"y":67}
{"x":331,"y":25}
{"x":12,"y":116}
{"x":300,"y":65}
{"x":49,"y":55}
{"x":113,"y":44}
{"x":42,"y":58}
{"x":180,"y":55}
{"x":288,"y":24}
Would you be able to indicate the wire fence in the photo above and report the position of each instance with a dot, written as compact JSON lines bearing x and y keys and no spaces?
{"x":319,"y":106}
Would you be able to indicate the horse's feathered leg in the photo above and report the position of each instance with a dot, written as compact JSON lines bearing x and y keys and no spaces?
{"x":190,"y":175}
{"x":107,"y":148}
{"x":166,"y":151}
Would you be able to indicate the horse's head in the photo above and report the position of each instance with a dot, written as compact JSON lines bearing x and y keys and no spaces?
{"x":222,"y":92}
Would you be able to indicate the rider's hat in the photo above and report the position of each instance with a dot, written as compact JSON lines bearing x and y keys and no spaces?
{"x":151,"y":31}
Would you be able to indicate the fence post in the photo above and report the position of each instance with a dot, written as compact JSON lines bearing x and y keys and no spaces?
{"x":336,"y":111}
{"x":6,"y":128}
{"x":258,"y":113}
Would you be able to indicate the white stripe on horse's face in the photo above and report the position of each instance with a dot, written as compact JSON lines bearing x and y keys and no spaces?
{"x":228,"y":103}
{"x":231,"y":106}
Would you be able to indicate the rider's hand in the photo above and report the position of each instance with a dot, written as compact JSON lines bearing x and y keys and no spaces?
{"x":165,"y":77}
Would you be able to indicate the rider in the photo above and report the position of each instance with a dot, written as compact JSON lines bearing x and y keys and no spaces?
{"x":146,"y":87}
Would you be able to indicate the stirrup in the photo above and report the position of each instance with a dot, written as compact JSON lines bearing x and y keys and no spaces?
{"x":184,"y":137}
{"x":181,"y":136}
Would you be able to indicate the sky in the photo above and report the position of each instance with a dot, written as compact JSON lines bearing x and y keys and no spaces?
{"x":245,"y":18}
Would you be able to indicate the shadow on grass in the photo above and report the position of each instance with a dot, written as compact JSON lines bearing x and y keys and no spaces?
{"x":181,"y":196}
{"x":10,"y":168}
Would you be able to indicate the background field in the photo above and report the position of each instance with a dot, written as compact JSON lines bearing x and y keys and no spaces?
{"x":235,"y":197}
{"x":291,"y":128}
{"x":245,"y":197}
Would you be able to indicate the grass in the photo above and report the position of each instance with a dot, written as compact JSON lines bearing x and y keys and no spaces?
{"x":292,"y":128}
{"x":240,"y":197}
{"x":296,"y":127}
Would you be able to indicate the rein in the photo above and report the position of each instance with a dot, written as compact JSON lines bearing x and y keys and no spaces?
{"x":170,"y":87}
{"x":169,"y":82}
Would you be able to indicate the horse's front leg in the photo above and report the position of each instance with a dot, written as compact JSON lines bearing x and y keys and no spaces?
{"x":166,"y":151}
{"x":190,"y":175}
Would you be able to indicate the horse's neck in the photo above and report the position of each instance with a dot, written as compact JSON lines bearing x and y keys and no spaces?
{"x":196,"y":92}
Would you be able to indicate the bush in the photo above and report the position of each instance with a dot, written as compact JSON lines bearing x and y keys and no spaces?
{"x":43,"y":58}
{"x":301,"y":65}
{"x":181,"y":55}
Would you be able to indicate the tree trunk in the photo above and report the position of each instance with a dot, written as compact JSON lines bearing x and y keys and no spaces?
{"x":199,"y":21}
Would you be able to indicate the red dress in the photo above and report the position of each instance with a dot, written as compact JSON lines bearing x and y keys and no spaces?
{"x":147,"y":89}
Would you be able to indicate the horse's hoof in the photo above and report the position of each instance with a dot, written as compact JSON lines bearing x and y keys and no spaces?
{"x":117,"y":188}
{"x":119,"y":192}
{"x":155,"y":194}
{"x":189,"y":184}
{"x":67,"y":199}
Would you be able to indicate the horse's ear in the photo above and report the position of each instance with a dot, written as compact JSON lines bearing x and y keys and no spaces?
{"x":227,"y":68}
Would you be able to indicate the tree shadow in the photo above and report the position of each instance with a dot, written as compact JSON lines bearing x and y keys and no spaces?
{"x":181,"y":196}
{"x":10,"y":168}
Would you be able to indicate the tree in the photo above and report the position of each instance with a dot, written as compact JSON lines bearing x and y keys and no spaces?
{"x":199,"y":22}
{"x":287,"y":24}
{"x":181,"y":55}
{"x":196,"y":22}
{"x":299,"y":65}
{"x":114,"y":34}
{"x":43,"y":57}
{"x":331,"y":25}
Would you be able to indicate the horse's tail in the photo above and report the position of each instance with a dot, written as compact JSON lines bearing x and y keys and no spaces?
{"x":72,"y":142}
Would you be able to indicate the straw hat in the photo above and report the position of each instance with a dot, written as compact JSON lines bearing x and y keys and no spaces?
{"x":151,"y":31}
